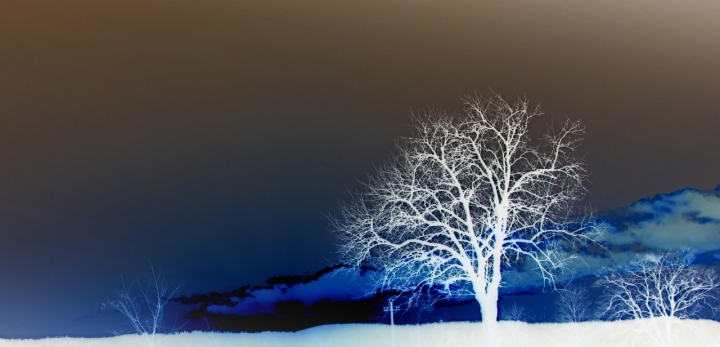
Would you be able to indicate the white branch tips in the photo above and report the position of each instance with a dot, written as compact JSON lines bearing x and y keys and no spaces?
{"x":465,"y":196}
{"x":659,"y":285}
{"x":146,"y":313}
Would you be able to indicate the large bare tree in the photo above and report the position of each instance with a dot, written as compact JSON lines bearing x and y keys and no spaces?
{"x":466,"y":197}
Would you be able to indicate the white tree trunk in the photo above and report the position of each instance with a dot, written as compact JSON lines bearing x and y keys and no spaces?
{"x":487,"y":294}
{"x":487,"y":298}
{"x":488,"y":307}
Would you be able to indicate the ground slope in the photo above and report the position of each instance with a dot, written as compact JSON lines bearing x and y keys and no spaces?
{"x":687,"y":333}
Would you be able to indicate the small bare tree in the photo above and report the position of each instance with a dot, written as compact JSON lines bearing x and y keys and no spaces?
{"x":466,"y":196}
{"x":515,"y":313}
{"x":146,"y":311}
{"x":574,"y":304}
{"x":665,"y":286}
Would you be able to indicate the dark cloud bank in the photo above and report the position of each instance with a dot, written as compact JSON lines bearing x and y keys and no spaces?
{"x":685,"y":219}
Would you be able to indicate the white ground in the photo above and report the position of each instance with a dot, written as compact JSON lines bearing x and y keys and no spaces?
{"x":687,"y":333}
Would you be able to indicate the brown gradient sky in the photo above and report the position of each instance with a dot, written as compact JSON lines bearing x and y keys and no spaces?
{"x":211,"y":137}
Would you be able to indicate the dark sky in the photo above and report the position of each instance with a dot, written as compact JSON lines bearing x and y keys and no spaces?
{"x":211,"y":138}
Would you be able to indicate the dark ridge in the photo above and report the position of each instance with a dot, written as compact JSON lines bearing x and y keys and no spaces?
{"x":294,"y":315}
{"x":230,"y":298}
{"x":214,"y":298}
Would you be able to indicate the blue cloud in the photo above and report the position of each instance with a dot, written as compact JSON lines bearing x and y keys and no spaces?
{"x":338,"y":284}
{"x":687,"y":218}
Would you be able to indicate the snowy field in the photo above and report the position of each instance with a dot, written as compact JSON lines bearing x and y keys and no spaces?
{"x":687,"y":333}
